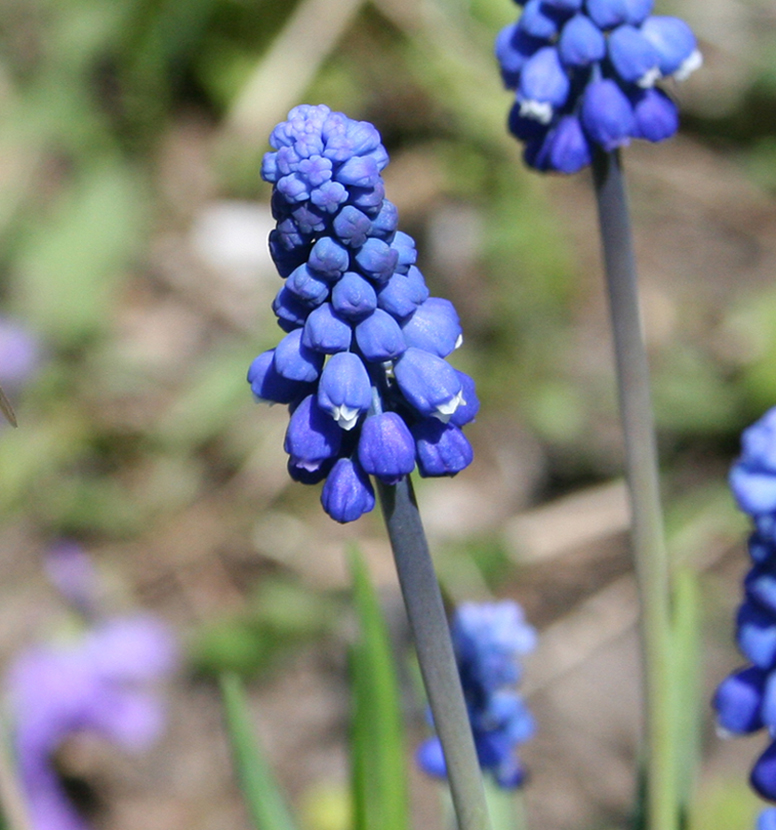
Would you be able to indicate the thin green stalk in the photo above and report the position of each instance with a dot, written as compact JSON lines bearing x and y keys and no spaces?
{"x":426,"y":614}
{"x":652,"y":570}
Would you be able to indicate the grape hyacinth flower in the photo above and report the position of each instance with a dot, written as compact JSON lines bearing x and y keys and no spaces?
{"x":102,"y":682}
{"x":745,"y":701}
{"x":363,"y":364}
{"x":584,"y":74}
{"x":488,"y":639}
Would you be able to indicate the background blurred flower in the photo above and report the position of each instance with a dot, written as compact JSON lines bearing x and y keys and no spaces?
{"x":101,"y":683}
{"x":489,"y":639}
{"x":584,"y":73}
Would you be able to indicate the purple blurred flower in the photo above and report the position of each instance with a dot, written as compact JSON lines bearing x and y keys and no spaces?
{"x":71,"y":571}
{"x":20,"y":353}
{"x":102,"y":683}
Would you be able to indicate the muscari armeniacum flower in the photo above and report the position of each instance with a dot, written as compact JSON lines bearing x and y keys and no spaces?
{"x":584,"y":74}
{"x":363,"y":365}
{"x":489,"y":639}
{"x":745,"y":701}
{"x":102,"y":681}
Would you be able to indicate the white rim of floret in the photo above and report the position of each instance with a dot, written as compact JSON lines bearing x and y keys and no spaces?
{"x":310,"y":466}
{"x":458,"y":342}
{"x":649,"y":78}
{"x":445,"y":411}
{"x":689,"y":65}
{"x":345,"y":416}
{"x":540,"y":111}
{"x":722,"y":733}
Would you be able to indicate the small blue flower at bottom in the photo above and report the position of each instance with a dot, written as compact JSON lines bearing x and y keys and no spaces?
{"x":363,"y":365}
{"x":488,"y":640}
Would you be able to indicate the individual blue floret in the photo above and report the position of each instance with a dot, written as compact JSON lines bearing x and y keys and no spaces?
{"x":489,"y":639}
{"x":580,"y":68}
{"x":362,"y":366}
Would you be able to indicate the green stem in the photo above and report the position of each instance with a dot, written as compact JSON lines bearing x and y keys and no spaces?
{"x":652,"y":569}
{"x":426,"y":614}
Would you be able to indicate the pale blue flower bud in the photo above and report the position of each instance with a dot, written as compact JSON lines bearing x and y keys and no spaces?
{"x":606,"y":14}
{"x":544,"y":86}
{"x":376,"y":259}
{"x":328,"y":259}
{"x":442,"y":449}
{"x":379,"y":337}
{"x":634,"y":58}
{"x":607,"y":115}
{"x":307,"y":285}
{"x":434,"y":327}
{"x":403,"y":293}
{"x":290,"y":310}
{"x":404,"y":245}
{"x":352,"y":226}
{"x":581,"y":42}
{"x":675,"y":44}
{"x":324,"y":331}
{"x":756,"y":635}
{"x":738,"y":700}
{"x":295,"y":361}
{"x":269,"y":386}
{"x":312,"y":436}
{"x":385,"y":223}
{"x":638,"y":10}
{"x":429,"y":383}
{"x":329,"y":196}
{"x":347,"y":493}
{"x":386,"y":448}
{"x":513,"y":48}
{"x":657,"y":117}
{"x":538,"y":20}
{"x":767,"y":819}
{"x":353,"y":297}
{"x":344,"y":390}
{"x":358,"y":171}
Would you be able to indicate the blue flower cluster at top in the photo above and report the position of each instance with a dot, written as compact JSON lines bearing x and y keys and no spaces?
{"x":585,"y":71}
{"x":746,"y":700}
{"x":362,"y":366}
{"x":489,"y":639}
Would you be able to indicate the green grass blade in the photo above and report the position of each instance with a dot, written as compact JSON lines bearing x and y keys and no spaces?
{"x":377,"y":745}
{"x":266,"y":806}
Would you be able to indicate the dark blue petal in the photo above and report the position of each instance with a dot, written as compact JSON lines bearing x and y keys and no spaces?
{"x":442,"y":449}
{"x":429,"y":383}
{"x":513,"y":48}
{"x":325,"y":331}
{"x":754,"y":489}
{"x":285,"y":260}
{"x":675,"y":44}
{"x":544,"y":85}
{"x":268,"y":385}
{"x":353,"y":297}
{"x":607,"y":115}
{"x":344,"y":389}
{"x":538,"y":20}
{"x":607,"y":14}
{"x":657,"y":117}
{"x":347,"y":493}
{"x":404,"y":245}
{"x":431,"y":758}
{"x":581,"y":42}
{"x":385,"y":223}
{"x":403,"y":293}
{"x":434,"y":327}
{"x":386,"y":448}
{"x":359,"y":171}
{"x":368,"y":199}
{"x":738,"y":700}
{"x":379,"y":337}
{"x":290,"y":310}
{"x":328,"y":258}
{"x":352,"y":226}
{"x":295,"y":361}
{"x":763,"y":777}
{"x":312,"y":436}
{"x":329,"y":196}
{"x":633,"y":57}
{"x":376,"y":259}
{"x":638,"y":10}
{"x":567,"y":147}
{"x":756,"y":635}
{"x":308,"y":286}
{"x":470,"y":404}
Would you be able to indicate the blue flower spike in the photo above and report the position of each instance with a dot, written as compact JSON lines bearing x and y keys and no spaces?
{"x":363,"y":365}
{"x":745,"y":701}
{"x":489,"y":639}
{"x":580,"y":70}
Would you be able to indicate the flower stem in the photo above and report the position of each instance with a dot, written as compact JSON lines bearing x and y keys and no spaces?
{"x":423,"y":601}
{"x":641,"y":461}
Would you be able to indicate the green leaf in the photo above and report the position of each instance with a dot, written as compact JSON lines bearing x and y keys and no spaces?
{"x":377,"y":745}
{"x":266,"y":806}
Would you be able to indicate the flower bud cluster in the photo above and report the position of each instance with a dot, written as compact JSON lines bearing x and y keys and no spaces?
{"x":584,"y":72}
{"x":489,"y":639}
{"x":746,"y":700}
{"x":362,"y":366}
